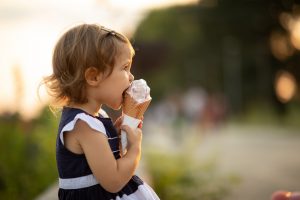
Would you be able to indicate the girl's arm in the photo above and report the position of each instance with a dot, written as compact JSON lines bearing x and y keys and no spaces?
{"x":112,"y":174}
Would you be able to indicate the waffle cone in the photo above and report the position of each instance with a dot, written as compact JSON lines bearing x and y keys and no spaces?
{"x":134,"y":109}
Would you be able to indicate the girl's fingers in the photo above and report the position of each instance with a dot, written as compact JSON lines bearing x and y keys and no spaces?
{"x":119,"y":121}
{"x":140,"y":124}
{"x":127,"y":129}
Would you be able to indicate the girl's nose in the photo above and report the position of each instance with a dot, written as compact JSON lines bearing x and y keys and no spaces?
{"x":131,"y":77}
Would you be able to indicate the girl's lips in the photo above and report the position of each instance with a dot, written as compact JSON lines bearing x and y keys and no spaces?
{"x":123,"y":95}
{"x":124,"y":92}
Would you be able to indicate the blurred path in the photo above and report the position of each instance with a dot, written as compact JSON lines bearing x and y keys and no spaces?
{"x":266,"y":159}
{"x":50,"y":193}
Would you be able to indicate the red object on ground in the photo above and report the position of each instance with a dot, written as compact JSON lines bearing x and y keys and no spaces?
{"x":295,"y":196}
{"x":281,"y":195}
{"x":285,"y":195}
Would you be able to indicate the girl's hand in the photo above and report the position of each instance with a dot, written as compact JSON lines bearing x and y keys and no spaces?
{"x":118,"y":123}
{"x":134,"y":136}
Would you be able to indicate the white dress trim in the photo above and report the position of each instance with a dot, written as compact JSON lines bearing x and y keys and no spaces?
{"x":77,"y":183}
{"x":144,"y":191}
{"x":91,"y":121}
{"x":103,"y":113}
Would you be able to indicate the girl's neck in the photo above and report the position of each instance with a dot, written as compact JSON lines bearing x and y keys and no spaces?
{"x":88,"y":107}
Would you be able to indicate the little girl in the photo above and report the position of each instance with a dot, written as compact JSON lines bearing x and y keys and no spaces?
{"x":91,"y":67}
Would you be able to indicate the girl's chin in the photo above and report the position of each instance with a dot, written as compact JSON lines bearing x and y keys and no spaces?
{"x":116,"y":106}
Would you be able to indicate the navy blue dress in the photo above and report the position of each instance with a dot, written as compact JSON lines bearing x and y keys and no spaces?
{"x":76,"y":180}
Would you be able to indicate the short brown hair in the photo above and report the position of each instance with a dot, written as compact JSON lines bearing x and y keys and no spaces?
{"x":81,"y":47}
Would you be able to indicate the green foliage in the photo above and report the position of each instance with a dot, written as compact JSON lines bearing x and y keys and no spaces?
{"x":183,"y":37}
{"x":173,"y":31}
{"x":181,"y":177}
{"x":293,"y":113}
{"x":261,"y":113}
{"x":27,"y":156}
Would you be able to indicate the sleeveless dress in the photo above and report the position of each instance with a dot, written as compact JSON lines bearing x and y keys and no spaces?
{"x":76,"y":180}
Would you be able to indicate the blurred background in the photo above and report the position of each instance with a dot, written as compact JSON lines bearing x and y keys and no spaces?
{"x":224,"y":77}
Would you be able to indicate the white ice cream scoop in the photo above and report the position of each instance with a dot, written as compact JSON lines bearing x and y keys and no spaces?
{"x":139,"y":90}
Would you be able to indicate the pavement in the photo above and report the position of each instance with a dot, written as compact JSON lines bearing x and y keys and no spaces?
{"x":266,"y":159}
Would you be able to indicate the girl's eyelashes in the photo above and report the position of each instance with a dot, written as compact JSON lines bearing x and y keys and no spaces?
{"x":126,"y":67}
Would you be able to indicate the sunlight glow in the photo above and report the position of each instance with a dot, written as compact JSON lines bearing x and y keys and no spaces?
{"x":29,"y":30}
{"x":280,"y":46}
{"x":295,"y":34}
{"x":291,"y":24}
{"x":145,"y":4}
{"x":285,"y":86}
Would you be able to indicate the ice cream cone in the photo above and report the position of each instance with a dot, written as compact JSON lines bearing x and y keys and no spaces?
{"x":134,"y":109}
{"x":136,"y":101}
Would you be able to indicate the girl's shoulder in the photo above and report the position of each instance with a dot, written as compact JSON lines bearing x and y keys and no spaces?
{"x":71,"y":116}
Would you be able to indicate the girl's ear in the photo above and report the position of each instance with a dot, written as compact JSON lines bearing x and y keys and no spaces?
{"x":93,"y":76}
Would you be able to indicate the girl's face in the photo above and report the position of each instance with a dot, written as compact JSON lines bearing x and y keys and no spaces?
{"x":113,"y":86}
